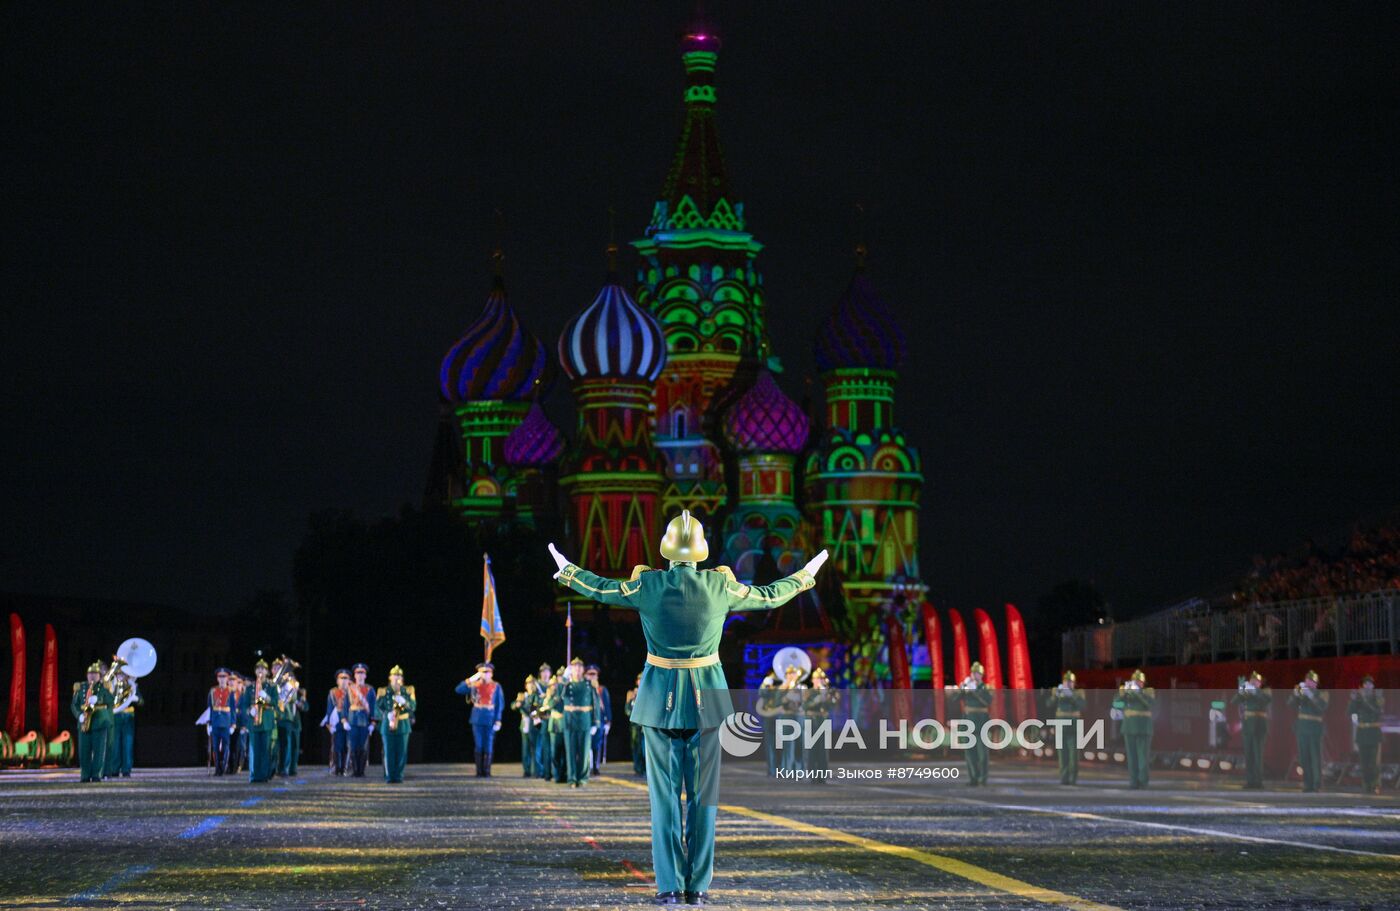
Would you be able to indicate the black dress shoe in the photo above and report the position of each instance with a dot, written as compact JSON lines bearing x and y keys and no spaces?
{"x":668,"y":898}
{"x":697,"y":898}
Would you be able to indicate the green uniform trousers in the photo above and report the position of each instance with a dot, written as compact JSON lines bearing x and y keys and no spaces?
{"x":578,"y":745}
{"x":560,"y":771}
{"x":683,"y":760}
{"x":1368,"y":750}
{"x":639,"y":750}
{"x":395,"y":753}
{"x":1069,"y":761}
{"x":109,"y":762}
{"x":289,"y":738}
{"x":1309,"y":734}
{"x":92,"y":753}
{"x":259,"y":755}
{"x":1138,"y":748}
{"x":976,"y":755}
{"x":1256,"y":732}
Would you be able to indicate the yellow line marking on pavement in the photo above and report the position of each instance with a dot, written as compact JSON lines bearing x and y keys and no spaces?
{"x":953,"y":866}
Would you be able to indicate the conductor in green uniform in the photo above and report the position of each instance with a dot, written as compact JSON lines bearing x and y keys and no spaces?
{"x":1068,"y":702}
{"x":1138,"y":699}
{"x":683,"y":697}
{"x":582,"y":716}
{"x":1368,"y":704}
{"x":1254,"y":699}
{"x":975,"y":697}
{"x":395,"y":707}
{"x":1311,"y":704}
{"x":92,"y":706}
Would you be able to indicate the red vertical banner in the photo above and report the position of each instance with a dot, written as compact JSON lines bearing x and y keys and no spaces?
{"x":933,"y":638}
{"x":899,"y":667}
{"x":990,"y":656}
{"x":1019,"y":663}
{"x":48,"y":685}
{"x":962,"y":663}
{"x":14,"y":721}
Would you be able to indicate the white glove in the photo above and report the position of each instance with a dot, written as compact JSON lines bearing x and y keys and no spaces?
{"x":400,"y":700}
{"x":92,"y":700}
{"x":816,"y":562}
{"x":593,"y":730}
{"x":607,"y":728}
{"x":496,"y":726}
{"x":559,"y":559}
{"x":345,"y":724}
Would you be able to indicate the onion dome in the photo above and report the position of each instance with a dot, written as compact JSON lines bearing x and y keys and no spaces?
{"x":765,"y":420}
{"x":535,"y":442}
{"x":496,"y":359}
{"x":860,"y":331}
{"x":613,"y":337}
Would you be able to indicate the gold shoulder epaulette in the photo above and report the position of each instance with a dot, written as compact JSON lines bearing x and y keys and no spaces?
{"x":726,"y":572}
{"x":77,"y":686}
{"x":637,"y":572}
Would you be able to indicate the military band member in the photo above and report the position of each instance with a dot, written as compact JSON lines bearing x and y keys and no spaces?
{"x":1067,"y":702}
{"x":523,"y":703}
{"x":362,"y":699}
{"x":338,"y":719}
{"x":559,"y":773}
{"x":242,"y":721}
{"x":581,"y":713}
{"x":488,"y":703}
{"x":817,"y":707}
{"x":639,"y":756}
{"x":975,"y":699}
{"x":125,"y":697}
{"x":1311,"y":704}
{"x":766,"y":707}
{"x":92,"y":706}
{"x":1254,"y":699}
{"x":223,"y":709}
{"x":787,"y":698}
{"x":291,"y":704}
{"x":1368,"y":704}
{"x":544,"y":747}
{"x":1138,"y":700}
{"x":397,"y":704}
{"x":604,"y":726}
{"x":683,"y":698}
{"x":261,"y":700}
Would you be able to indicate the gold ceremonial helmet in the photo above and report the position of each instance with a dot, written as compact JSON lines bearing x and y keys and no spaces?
{"x":818,"y":673}
{"x":1255,"y":675}
{"x":261,"y":664}
{"x":684,"y":541}
{"x":395,"y":670}
{"x":95,"y":667}
{"x":1312,"y":675}
{"x":1068,"y":677}
{"x":977,"y":668}
{"x":1140,"y":675}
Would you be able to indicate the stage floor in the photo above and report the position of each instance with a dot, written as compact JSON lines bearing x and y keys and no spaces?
{"x":444,"y":839}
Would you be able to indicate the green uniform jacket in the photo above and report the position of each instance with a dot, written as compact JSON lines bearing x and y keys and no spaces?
{"x":269,"y":710}
{"x":1255,"y":706}
{"x":102,"y":717}
{"x":976,"y":703}
{"x":553,"y":702}
{"x":682,"y":611}
{"x":385,"y":704}
{"x":1071,"y":706}
{"x":1137,"y":709}
{"x":1368,"y":713}
{"x":1311,"y":707}
{"x":580,"y":693}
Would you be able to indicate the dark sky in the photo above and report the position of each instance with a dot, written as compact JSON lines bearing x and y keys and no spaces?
{"x":1145,"y":255}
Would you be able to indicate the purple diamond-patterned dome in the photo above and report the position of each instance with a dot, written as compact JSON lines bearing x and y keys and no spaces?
{"x":496,"y":359}
{"x":613,"y":337}
{"x":860,"y":330}
{"x":536,"y":442}
{"x":765,"y":420}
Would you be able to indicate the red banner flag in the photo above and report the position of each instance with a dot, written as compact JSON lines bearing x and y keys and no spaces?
{"x":14,"y":721}
{"x":1019,"y":663}
{"x":899,"y":667}
{"x":933,"y":638}
{"x":990,"y":656}
{"x":48,"y":685}
{"x":962,"y":664}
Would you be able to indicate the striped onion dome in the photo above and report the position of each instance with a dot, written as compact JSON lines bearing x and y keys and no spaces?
{"x":612,"y":337}
{"x":765,"y":420}
{"x":535,"y":442}
{"x":496,"y":359}
{"x":860,"y":331}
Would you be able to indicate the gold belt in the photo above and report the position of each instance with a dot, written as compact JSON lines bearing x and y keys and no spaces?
{"x":1136,"y":713}
{"x":1068,"y":715}
{"x":1256,"y":714}
{"x":678,"y":663}
{"x":1302,"y":717}
{"x":556,"y":715}
{"x":578,"y":708}
{"x":1368,"y":724}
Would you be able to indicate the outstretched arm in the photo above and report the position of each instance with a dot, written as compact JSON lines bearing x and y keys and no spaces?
{"x":593,"y":586}
{"x":766,"y":597}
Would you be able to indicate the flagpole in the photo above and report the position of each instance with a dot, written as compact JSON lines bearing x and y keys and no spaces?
{"x":569,"y":635}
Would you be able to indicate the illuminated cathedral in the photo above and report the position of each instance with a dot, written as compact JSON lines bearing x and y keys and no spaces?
{"x":680,"y":406}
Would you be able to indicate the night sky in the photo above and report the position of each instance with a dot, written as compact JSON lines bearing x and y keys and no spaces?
{"x":1145,"y":255}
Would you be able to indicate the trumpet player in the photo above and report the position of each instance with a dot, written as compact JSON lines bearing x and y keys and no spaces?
{"x":975,"y":697}
{"x":1138,"y":699}
{"x":1067,"y":702}
{"x":524,"y":703}
{"x":487,"y":702}
{"x":291,"y":702}
{"x":396,"y":706}
{"x":261,"y":701}
{"x":1311,"y":704}
{"x":92,"y":706}
{"x":817,"y":707}
{"x":544,"y":745}
{"x":1367,"y":705}
{"x":1253,"y":699}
